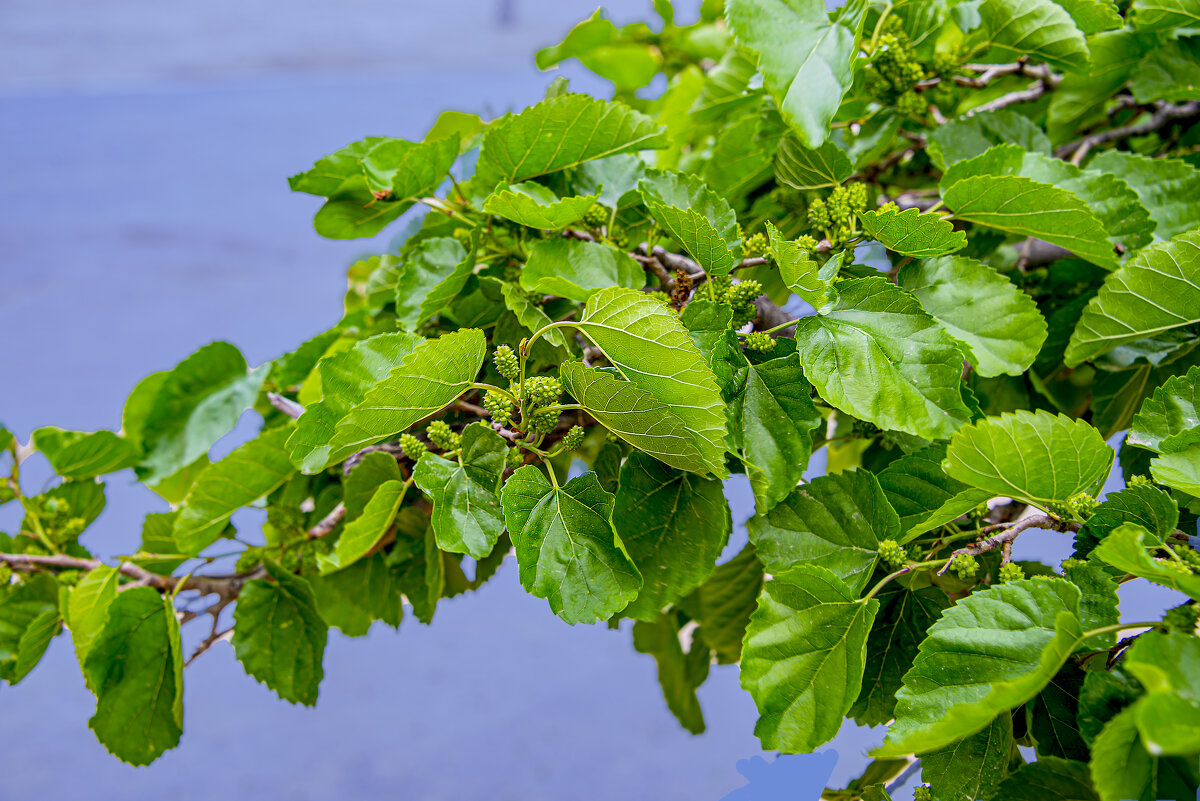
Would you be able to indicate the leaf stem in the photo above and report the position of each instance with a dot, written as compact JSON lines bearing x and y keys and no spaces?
{"x":907,"y":569}
{"x":1087,"y":635}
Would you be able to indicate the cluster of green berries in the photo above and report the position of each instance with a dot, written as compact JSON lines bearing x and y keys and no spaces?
{"x":965,"y":566}
{"x":541,"y":390}
{"x":55,"y":517}
{"x":498,"y":406}
{"x":893,"y":553}
{"x":6,"y":575}
{"x":741,"y":297}
{"x":1188,"y":555}
{"x":1011,"y":571}
{"x":755,"y":245}
{"x":514,"y":458}
{"x":922,"y":793}
{"x":506,"y":362}
{"x":573,"y":439}
{"x":806,"y":243}
{"x":912,"y":105}
{"x":543,"y":421}
{"x":412,"y":447}
{"x":758,"y":342}
{"x":835,"y":216}
{"x":1140,"y":481}
{"x":442,"y":437}
{"x":1080,"y":506}
{"x":1183,"y":618}
{"x":597,"y":216}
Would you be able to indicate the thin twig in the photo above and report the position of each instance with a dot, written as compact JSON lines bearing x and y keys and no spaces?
{"x":285,"y":405}
{"x":225,"y":586}
{"x":1009,"y":533}
{"x":1165,"y":114}
{"x":329,"y":522}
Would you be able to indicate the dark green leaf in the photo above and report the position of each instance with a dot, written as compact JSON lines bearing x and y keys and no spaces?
{"x":722,"y":605}
{"x":465,"y":492}
{"x":679,"y":673}
{"x":971,"y":767}
{"x":1169,"y":419}
{"x":923,"y":495}
{"x":1168,"y":188}
{"x":911,"y":233}
{"x":432,"y":275}
{"x":1048,"y":779}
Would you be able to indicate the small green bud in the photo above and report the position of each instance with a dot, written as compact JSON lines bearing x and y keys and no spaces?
{"x":506,"y":362}
{"x":893,"y":553}
{"x":758,"y":342}
{"x":755,"y":245}
{"x":922,"y":793}
{"x":911,"y":104}
{"x":1011,"y":571}
{"x":1174,"y":566}
{"x":806,"y":242}
{"x":1189,"y":556}
{"x":596,"y":217}
{"x":573,"y":439}
{"x":1140,"y":481}
{"x":966,"y":566}
{"x":412,"y":447}
{"x":818,"y":215}
{"x":514,"y":458}
{"x":1082,"y":505}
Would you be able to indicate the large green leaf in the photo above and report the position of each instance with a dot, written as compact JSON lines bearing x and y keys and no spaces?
{"x":465,"y":492}
{"x":279,"y":635}
{"x":135,"y":667}
{"x":1093,"y":16}
{"x":1157,"y":290}
{"x":433,"y":274}
{"x":430,"y":377}
{"x":911,"y":233}
{"x":1170,"y":72}
{"x":1168,"y":188}
{"x":673,"y":525}
{"x":799,"y":271}
{"x":1080,"y":97}
{"x":923,"y":495}
{"x":561,"y":133}
{"x":253,"y":470}
{"x":1169,"y":419}
{"x":697,"y":217}
{"x":1168,"y":717}
{"x":835,"y":521}
{"x":680,"y":673}
{"x":999,"y":325}
{"x":24,"y":609}
{"x":968,"y":137}
{"x":533,"y":205}
{"x":1048,"y":779}
{"x":973,"y":766}
{"x":803,"y":658}
{"x":75,"y":454}
{"x":365,"y":531}
{"x":1179,"y":470}
{"x":1122,"y":769}
{"x":87,"y":609}
{"x":741,"y":158}
{"x":345,"y":378}
{"x":354,"y":598}
{"x":877,"y":329}
{"x":644,"y":339}
{"x":329,"y":172}
{"x":571,"y":268}
{"x":566,"y":548}
{"x":802,"y":168}
{"x":1161,"y":15}
{"x":807,"y":58}
{"x":1039,"y":29}
{"x":1144,"y":504}
{"x":990,"y":652}
{"x":34,"y":641}
{"x":1125,"y":549}
{"x":1030,"y":456}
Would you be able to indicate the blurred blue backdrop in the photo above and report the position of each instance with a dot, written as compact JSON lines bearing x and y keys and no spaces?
{"x":144,"y":212}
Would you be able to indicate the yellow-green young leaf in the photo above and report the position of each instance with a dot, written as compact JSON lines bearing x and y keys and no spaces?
{"x":1155,"y":291}
{"x":806,"y":58}
{"x":363,"y":532}
{"x":1030,"y":456}
{"x":645,"y":341}
{"x":87,"y":610}
{"x":673,"y":525}
{"x":803,"y":657}
{"x":567,"y":551}
{"x":696,"y":217}
{"x":802,"y":168}
{"x":989,"y":653}
{"x":1168,"y":188}
{"x":571,"y":268}
{"x":1179,"y":470}
{"x":1039,"y":29}
{"x":345,"y":378}
{"x":1169,"y":419}
{"x":75,"y":454}
{"x":1125,"y":549}
{"x":634,"y":415}
{"x":1018,"y":205}
{"x":432,"y":275}
{"x":465,"y":492}
{"x":800,"y":272}
{"x":680,"y":673}
{"x":328,"y":173}
{"x":250,"y":472}
{"x":135,"y":667}
{"x":877,"y":329}
{"x":973,"y":766}
{"x":1162,"y":15}
{"x":561,"y":133}
{"x":432,"y":376}
{"x":911,"y":233}
{"x":535,"y":206}
{"x":999,"y":325}
{"x":530,"y":314}
{"x":834,"y":521}
{"x":279,"y":635}
{"x":923,"y":495}
{"x":1168,"y":666}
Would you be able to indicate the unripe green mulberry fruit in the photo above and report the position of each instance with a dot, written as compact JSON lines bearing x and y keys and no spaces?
{"x":758,"y":342}
{"x":543,"y":422}
{"x":542,"y":390}
{"x":1189,"y":556}
{"x":1082,"y":505}
{"x":922,"y":793}
{"x":412,"y":447}
{"x":506,"y":362}
{"x":514,"y":458}
{"x":806,"y":242}
{"x":743,"y":292}
{"x":966,"y":566}
{"x":442,"y":437}
{"x":1140,"y":481}
{"x":911,"y":104}
{"x":1174,"y":566}
{"x":755,"y":245}
{"x":573,"y":439}
{"x":1011,"y":571}
{"x":818,"y":215}
{"x":498,"y":406}
{"x":893,"y":553}
{"x":596,"y":216}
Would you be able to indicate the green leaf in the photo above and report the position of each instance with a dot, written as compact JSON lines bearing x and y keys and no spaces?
{"x":679,"y":673}
{"x":279,"y":635}
{"x":75,"y":454}
{"x":1098,"y":606}
{"x":806,"y":58}
{"x":365,"y":531}
{"x":1017,"y":205}
{"x":1039,"y":29}
{"x":877,"y":329}
{"x":722,"y":605}
{"x":1146,"y":505}
{"x":973,"y":766}
{"x":573,"y":269}
{"x":352,"y":599}
{"x":968,"y":137}
{"x":1036,"y":457}
{"x":992,"y":651}
{"x":999,"y":324}
{"x":646,"y":342}
{"x":1169,"y":419}
{"x":433,"y":274}
{"x":1080,"y":97}
{"x":1125,"y":549}
{"x":1170,"y":72}
{"x":561,"y":133}
{"x":20,"y":606}
{"x":530,"y":315}
{"x":465,"y":492}
{"x":34,"y":641}
{"x":87,"y":610}
{"x":727,"y":87}
{"x":803,"y":657}
{"x":194,"y":404}
{"x":696,"y":217}
{"x":376,"y":469}
{"x":1093,"y":16}
{"x":421,"y":578}
{"x":353,"y":212}
{"x":253,"y":470}
{"x":903,"y":618}
{"x":800,"y":272}
{"x":1157,"y":290}
{"x":1179,"y":470}
{"x":801,"y":168}
{"x":1048,"y":779}
{"x":432,"y":376}
{"x":741,"y":158}
{"x":535,"y":206}
{"x":1168,"y":666}
{"x":329,"y":172}
{"x":135,"y":667}
{"x":923,"y":495}
{"x":771,"y":419}
{"x":1168,"y":188}
{"x":567,"y":550}
{"x":1122,"y":769}
{"x":1162,"y":15}
{"x":835,"y":522}
{"x":911,"y":233}
{"x":673,"y":525}
{"x":345,"y":378}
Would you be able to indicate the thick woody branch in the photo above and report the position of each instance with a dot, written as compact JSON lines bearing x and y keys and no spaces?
{"x":1164,"y":115}
{"x":1008,"y":534}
